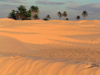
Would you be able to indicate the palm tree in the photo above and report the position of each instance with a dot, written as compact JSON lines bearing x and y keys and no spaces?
{"x":59,"y":14}
{"x":84,"y":14}
{"x":27,"y":16}
{"x":29,"y":11}
{"x":36,"y":16}
{"x":78,"y":17}
{"x":22,"y":10}
{"x":24,"y":14}
{"x":12,"y":15}
{"x":67,"y":18}
{"x":48,"y":17}
{"x":14,"y":11}
{"x":45,"y":19}
{"x":64,"y":14}
{"x":34,"y":10}
{"x":17,"y":15}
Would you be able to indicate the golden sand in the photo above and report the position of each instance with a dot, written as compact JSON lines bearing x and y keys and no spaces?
{"x":52,"y":47}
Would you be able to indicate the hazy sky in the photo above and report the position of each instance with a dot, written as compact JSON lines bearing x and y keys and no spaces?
{"x":73,"y":7}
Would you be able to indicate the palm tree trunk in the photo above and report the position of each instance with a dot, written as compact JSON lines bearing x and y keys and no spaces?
{"x":64,"y":18}
{"x":32,"y":15}
{"x":59,"y":17}
{"x":84,"y":17}
{"x":20,"y":18}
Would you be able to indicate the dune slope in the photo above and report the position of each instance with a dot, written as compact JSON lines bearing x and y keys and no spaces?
{"x":49,"y":47}
{"x":35,"y":66}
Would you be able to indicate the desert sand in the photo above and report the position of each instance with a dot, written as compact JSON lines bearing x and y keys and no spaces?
{"x":55,"y":47}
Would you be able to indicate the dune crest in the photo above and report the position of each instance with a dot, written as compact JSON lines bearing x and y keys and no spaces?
{"x":15,"y":57}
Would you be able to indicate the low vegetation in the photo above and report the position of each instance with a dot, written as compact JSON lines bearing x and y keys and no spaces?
{"x":33,"y":14}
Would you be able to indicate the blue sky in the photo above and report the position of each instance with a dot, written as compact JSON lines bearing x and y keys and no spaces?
{"x":73,"y":7}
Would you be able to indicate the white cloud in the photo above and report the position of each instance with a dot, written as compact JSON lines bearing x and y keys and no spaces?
{"x":13,"y":1}
{"x":89,"y":7}
{"x":46,"y":2}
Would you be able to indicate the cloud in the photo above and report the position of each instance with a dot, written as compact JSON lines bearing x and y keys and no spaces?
{"x":71,"y":2}
{"x":89,"y":7}
{"x":49,"y":2}
{"x":13,"y":1}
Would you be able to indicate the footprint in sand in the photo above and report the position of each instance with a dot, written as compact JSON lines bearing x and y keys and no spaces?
{"x":92,"y":65}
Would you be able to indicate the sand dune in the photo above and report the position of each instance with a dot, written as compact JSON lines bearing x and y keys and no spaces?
{"x":52,"y":47}
{"x":36,"y":66}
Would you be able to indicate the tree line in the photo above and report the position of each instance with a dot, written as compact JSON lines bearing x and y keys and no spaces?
{"x":23,"y":14}
{"x":33,"y":13}
{"x":64,"y":14}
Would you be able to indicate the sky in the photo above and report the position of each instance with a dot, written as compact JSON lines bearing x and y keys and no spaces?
{"x":51,"y":7}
